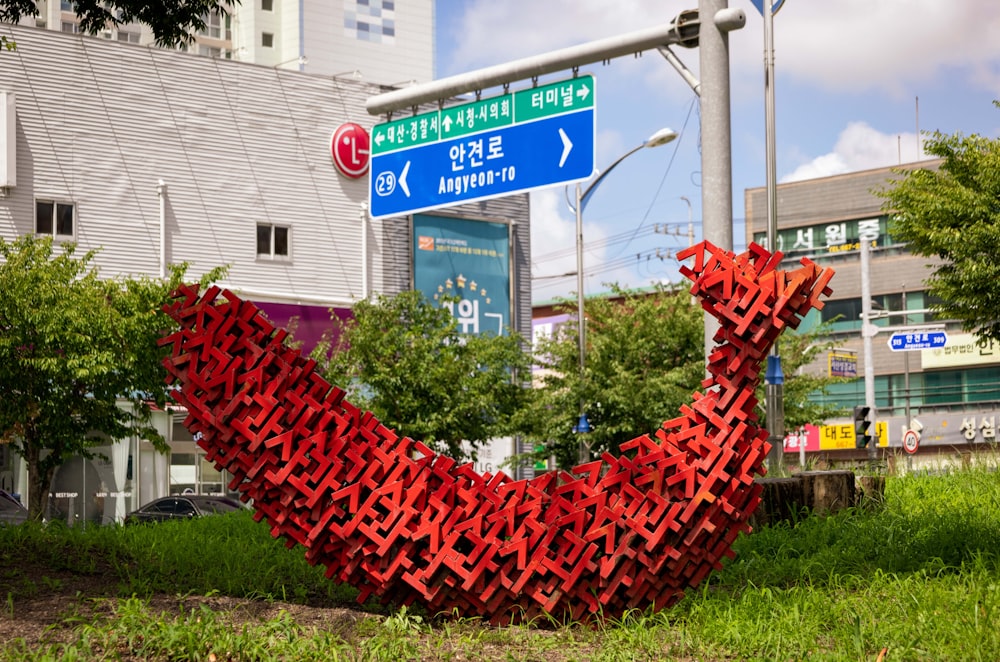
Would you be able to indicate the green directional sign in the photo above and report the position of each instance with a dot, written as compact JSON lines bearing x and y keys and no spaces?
{"x":408,"y":132}
{"x":478,"y":116}
{"x":484,"y":115}
{"x":555,"y":98}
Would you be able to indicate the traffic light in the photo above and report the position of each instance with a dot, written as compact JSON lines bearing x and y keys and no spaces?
{"x":862,"y":426}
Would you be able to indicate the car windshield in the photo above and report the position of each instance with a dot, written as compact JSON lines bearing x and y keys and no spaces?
{"x":217,"y":505}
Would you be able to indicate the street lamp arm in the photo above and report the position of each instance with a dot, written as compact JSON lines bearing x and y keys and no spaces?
{"x":661,"y":137}
{"x":587,"y":192}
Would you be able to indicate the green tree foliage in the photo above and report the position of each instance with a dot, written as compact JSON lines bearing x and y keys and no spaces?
{"x":953,"y":213}
{"x":403,"y":358}
{"x":172,"y":21}
{"x":644,"y":358}
{"x":79,"y":361}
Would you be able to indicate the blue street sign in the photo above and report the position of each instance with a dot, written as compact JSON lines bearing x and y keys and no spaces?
{"x":775,"y":6}
{"x":905,"y":341}
{"x":555,"y":150}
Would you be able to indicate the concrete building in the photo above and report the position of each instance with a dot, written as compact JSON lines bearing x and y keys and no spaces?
{"x":156,"y":157}
{"x":950,"y":395}
{"x":379,"y":41}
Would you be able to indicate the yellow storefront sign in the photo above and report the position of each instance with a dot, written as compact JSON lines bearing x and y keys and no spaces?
{"x":841,"y":437}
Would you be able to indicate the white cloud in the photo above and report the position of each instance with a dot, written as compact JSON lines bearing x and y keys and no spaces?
{"x":860,"y":147}
{"x":553,"y":242}
{"x":858,"y":45}
{"x":836,"y":45}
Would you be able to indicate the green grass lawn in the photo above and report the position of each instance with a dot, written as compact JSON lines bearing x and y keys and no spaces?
{"x":918,"y":579}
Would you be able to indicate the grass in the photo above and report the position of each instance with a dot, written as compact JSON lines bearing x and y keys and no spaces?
{"x":918,"y":579}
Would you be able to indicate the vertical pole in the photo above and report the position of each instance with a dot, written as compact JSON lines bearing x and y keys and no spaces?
{"x":906,"y":369}
{"x":774,"y":389}
{"x":363,"y":214}
{"x":581,"y":320}
{"x":866,"y":334}
{"x":581,"y":329}
{"x":161,"y":192}
{"x":716,"y":148}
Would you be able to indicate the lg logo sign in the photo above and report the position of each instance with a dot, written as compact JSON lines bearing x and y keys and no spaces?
{"x":351,"y":150}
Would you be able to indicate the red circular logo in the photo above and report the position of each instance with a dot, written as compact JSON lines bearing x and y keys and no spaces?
{"x":351,"y":149}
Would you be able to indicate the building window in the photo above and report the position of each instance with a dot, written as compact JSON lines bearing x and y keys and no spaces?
{"x":267,"y":5}
{"x":272,"y":241}
{"x":54,"y":218}
{"x":267,"y":40}
{"x":213,"y":26}
{"x":70,"y":27}
{"x":65,"y":5}
{"x":128,"y":37}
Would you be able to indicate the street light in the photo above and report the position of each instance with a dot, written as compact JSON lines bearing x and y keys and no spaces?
{"x":661,"y":137}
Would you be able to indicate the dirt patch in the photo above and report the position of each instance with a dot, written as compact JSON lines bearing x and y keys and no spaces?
{"x":40,"y":605}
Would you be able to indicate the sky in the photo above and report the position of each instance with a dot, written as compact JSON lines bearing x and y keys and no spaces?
{"x":855,"y":81}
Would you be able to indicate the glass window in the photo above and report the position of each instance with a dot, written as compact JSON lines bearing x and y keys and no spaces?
{"x":54,"y":218}
{"x":165,"y":506}
{"x":267,"y":40}
{"x":183,"y":507}
{"x":213,"y":26}
{"x":267,"y":5}
{"x":44,"y":213}
{"x":220,"y":505}
{"x":64,"y":219}
{"x":263,"y":240}
{"x":272,"y":241}
{"x":280,"y":241}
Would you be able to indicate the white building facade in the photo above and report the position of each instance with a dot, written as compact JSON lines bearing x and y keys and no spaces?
{"x":157,"y":157}
{"x":389,"y":42}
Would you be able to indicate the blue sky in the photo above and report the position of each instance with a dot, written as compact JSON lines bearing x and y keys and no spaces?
{"x":854,"y":81}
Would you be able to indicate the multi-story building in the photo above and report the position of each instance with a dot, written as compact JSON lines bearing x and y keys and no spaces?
{"x":155,"y":157}
{"x":949,"y":395}
{"x":379,"y":41}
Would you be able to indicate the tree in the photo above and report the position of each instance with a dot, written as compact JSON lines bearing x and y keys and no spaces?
{"x":73,"y":350}
{"x":645,"y":357}
{"x":404,"y":359}
{"x":953,"y":214}
{"x":172,"y":21}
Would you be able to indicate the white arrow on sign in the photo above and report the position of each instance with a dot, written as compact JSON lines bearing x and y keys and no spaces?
{"x":378,"y":139}
{"x":446,"y":123}
{"x":402,"y":179}
{"x":567,"y":147}
{"x":583,"y":93}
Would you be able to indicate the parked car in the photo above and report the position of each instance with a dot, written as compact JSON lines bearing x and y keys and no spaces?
{"x":11,"y":510}
{"x":183,"y":506}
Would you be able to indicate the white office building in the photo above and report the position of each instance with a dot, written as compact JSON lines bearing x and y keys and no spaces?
{"x":389,"y":42}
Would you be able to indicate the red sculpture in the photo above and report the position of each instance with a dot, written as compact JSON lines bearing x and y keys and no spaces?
{"x":389,"y":516}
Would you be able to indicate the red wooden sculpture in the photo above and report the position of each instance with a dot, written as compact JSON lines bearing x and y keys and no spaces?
{"x":387,"y":515}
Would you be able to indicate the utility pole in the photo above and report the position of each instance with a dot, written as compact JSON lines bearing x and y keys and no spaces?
{"x":716,"y":132}
{"x":774,"y":377}
{"x":868,"y":331}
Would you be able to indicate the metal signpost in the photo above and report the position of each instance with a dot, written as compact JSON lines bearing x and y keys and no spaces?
{"x":906,"y":341}
{"x":515,"y":142}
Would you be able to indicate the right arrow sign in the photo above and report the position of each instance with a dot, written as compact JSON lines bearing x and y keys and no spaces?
{"x":906,"y":341}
